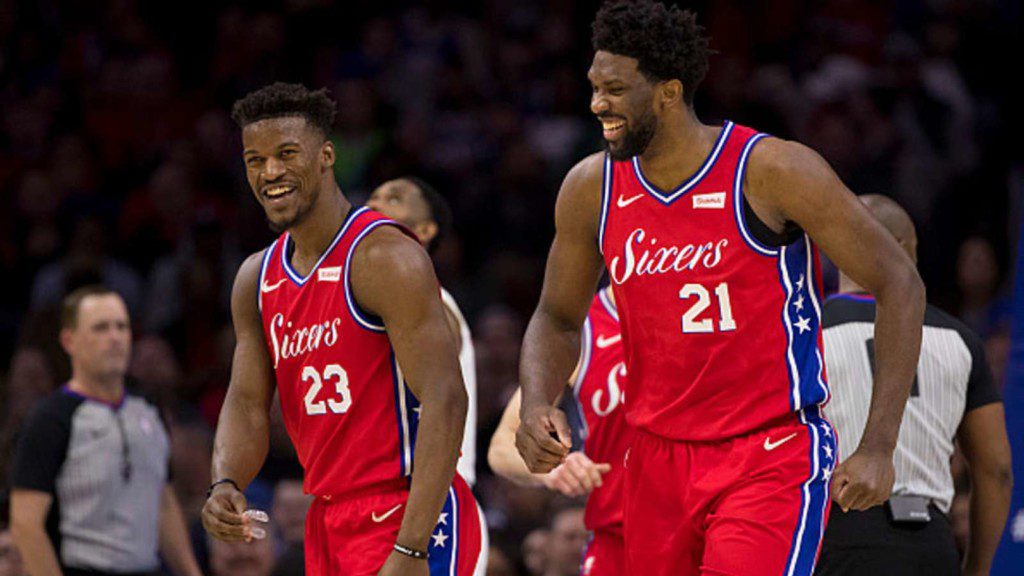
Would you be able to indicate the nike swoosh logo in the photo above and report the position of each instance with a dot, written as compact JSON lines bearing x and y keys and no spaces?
{"x":603,"y":342}
{"x":769,"y":445}
{"x":384,"y":516}
{"x":271,"y":287}
{"x":623,"y":202}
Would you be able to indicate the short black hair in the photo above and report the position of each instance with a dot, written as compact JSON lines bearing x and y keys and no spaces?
{"x":666,"y":41}
{"x":439,"y":210}
{"x":72,"y":303}
{"x":281,"y":99}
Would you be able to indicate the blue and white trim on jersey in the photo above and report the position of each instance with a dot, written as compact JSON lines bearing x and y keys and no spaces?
{"x":692,"y":181}
{"x":443,"y":548}
{"x":801,"y":317}
{"x":586,"y":350}
{"x":364,"y":319}
{"x":407,"y":411}
{"x":606,"y":301}
{"x":263,"y":272}
{"x":737,"y":200}
{"x":814,"y":494}
{"x":298,"y":278}
{"x":606,"y":198}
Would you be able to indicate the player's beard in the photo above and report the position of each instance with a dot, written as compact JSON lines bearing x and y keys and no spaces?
{"x":638,"y":136}
{"x":301,"y":212}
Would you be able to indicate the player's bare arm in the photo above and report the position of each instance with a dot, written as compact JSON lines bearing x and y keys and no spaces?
{"x":577,"y":476}
{"x":788,"y":182}
{"x":552,"y":340}
{"x":982,"y":437}
{"x":243,"y":430}
{"x":393,"y":277}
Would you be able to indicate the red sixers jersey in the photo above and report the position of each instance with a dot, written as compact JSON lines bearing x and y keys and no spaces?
{"x":599,"y":390}
{"x":346,"y":407}
{"x":721,"y":332}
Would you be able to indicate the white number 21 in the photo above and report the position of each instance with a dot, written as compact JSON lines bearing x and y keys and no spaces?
{"x":315,"y":407}
{"x":706,"y":326}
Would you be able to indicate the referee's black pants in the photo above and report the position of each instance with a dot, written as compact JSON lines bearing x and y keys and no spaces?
{"x":868,"y":544}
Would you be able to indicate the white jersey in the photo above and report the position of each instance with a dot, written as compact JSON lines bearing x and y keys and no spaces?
{"x":467,"y":360}
{"x":952,"y":379}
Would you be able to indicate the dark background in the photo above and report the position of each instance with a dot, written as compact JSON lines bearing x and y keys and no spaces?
{"x":119,"y":162}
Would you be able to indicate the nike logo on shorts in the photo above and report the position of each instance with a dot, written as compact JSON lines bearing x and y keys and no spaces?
{"x":769,"y":445}
{"x":384,"y":516}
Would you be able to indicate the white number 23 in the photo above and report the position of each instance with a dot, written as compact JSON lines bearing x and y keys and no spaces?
{"x":316,"y":407}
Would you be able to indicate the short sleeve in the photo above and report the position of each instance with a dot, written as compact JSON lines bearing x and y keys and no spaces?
{"x":42,"y":445}
{"x":981,"y":386}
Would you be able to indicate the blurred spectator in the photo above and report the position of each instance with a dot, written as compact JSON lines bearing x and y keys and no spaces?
{"x":567,"y":542}
{"x":191,"y":450}
{"x":977,"y":277}
{"x":498,"y":564}
{"x":535,"y":551}
{"x":87,"y":261}
{"x":156,"y":372}
{"x":254,"y":558}
{"x":27,"y":383}
{"x":289,"y":510}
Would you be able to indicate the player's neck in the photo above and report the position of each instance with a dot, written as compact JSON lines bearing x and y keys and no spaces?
{"x":109,"y":390}
{"x":677,"y":151}
{"x":314,"y":234}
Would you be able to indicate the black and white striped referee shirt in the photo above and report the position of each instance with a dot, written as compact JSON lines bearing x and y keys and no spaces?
{"x":106,"y":467}
{"x":953,"y":378}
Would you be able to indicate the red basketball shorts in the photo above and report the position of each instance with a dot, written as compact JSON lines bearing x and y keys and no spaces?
{"x":751,"y":505}
{"x":605,"y":555}
{"x":355,"y":536}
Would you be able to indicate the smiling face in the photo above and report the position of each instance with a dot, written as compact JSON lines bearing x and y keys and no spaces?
{"x":623,"y":101}
{"x":285,"y":162}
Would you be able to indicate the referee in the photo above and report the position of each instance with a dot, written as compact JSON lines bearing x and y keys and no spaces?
{"x":89,"y":481}
{"x":953,"y":398}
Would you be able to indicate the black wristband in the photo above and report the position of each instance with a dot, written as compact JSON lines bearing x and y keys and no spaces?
{"x":417,"y":554}
{"x":209,"y":491}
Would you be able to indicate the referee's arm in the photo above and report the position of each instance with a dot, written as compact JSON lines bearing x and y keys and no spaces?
{"x":40,"y":453}
{"x":28,"y":529}
{"x":984,"y":442}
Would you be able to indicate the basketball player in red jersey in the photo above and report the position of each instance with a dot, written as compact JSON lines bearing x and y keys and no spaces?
{"x":599,"y":388}
{"x":343,"y":313}
{"x":706,"y":234}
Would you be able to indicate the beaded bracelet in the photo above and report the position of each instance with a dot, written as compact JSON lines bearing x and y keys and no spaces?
{"x":417,"y":554}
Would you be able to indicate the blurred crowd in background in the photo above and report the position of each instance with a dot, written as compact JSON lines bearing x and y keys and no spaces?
{"x":119,"y":163}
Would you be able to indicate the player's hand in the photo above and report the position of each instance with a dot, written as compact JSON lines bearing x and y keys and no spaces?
{"x":577,"y":476}
{"x":863,"y":480}
{"x":224,"y":515}
{"x":542,"y":452}
{"x":402,"y":565}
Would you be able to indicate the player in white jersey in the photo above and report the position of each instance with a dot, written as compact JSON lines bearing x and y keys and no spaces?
{"x":422,"y":209}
